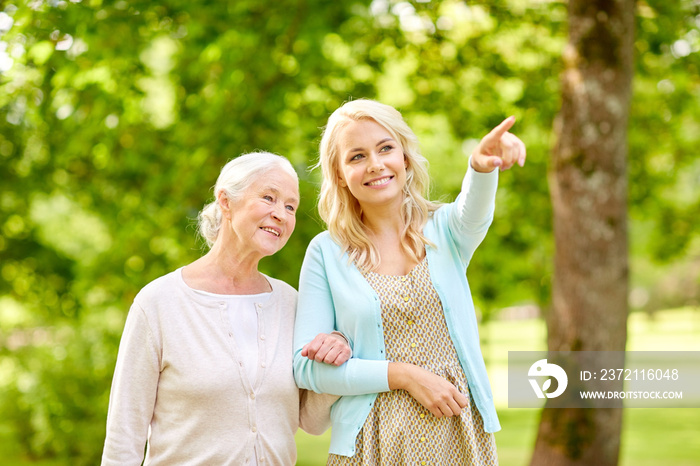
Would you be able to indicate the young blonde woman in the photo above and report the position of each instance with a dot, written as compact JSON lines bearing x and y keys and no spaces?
{"x":389,"y":274}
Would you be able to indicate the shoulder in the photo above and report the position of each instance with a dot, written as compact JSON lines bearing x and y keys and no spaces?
{"x":284,"y":300}
{"x":322,"y":240}
{"x":281,"y":288}
{"x":438,"y":219}
{"x":322,"y":245}
{"x":162,"y":286}
{"x":323,"y":249}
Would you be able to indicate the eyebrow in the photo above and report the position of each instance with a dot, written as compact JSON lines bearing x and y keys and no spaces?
{"x":357,"y":149}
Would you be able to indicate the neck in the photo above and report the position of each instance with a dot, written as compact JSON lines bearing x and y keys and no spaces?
{"x":383,"y":221}
{"x":221,"y":271}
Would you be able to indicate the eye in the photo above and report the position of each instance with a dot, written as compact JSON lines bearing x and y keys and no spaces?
{"x":268,"y":198}
{"x":356,"y":157}
{"x":291,"y":208}
{"x":386,"y":148}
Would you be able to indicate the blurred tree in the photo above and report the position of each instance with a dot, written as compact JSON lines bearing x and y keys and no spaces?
{"x":588,"y":180}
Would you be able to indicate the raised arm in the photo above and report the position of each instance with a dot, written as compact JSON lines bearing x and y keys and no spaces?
{"x":472,"y":213}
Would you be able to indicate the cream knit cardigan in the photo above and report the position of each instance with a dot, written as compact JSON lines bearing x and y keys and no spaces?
{"x":181,"y":386}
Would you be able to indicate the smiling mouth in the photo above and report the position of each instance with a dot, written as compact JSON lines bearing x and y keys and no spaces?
{"x":380,"y":181}
{"x":270,"y":230}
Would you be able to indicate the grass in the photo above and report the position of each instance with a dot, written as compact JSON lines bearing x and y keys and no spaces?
{"x":650,"y":437}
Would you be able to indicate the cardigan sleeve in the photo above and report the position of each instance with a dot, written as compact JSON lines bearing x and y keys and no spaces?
{"x":315,"y":411}
{"x":316,"y":314}
{"x":133,"y":394}
{"x":472,"y":212}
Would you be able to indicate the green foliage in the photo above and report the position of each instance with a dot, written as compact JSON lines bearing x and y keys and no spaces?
{"x":116,"y":117}
{"x":457,"y":70}
{"x":665,"y":131}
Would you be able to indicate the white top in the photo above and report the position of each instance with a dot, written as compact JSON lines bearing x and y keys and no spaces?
{"x":242,"y":312}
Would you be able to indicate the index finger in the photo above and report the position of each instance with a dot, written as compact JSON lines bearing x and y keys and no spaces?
{"x":496,"y":133}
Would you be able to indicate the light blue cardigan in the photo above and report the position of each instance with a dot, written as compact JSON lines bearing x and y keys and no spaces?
{"x":333,"y":295}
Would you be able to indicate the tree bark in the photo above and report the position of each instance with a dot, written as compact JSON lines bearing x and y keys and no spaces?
{"x":588,"y":184}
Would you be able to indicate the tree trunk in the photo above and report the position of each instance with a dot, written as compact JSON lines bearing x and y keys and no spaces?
{"x":588,"y":186}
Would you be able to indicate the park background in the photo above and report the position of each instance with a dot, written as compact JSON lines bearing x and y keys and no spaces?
{"x":116,"y":117}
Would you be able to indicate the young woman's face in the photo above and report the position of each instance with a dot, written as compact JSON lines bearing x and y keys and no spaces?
{"x":371,"y":164}
{"x":263,"y":219}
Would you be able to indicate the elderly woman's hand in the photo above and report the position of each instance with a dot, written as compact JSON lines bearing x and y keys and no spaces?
{"x":329,"y":348}
{"x":499,"y":149}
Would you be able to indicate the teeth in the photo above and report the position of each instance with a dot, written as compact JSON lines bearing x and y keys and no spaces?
{"x":274,"y":232}
{"x":378,"y":182}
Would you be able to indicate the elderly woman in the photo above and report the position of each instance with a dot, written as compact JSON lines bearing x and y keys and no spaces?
{"x":204,"y":370}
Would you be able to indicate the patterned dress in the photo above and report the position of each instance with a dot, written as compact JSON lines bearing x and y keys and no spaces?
{"x":399,"y":430}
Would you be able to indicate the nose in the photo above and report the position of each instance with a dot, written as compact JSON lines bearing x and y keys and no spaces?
{"x":375,"y":163}
{"x":278,"y":212}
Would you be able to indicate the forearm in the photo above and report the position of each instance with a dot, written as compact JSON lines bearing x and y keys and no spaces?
{"x":435,"y":393}
{"x":399,"y":375}
{"x":476,"y":202}
{"x":132,"y":395}
{"x":355,"y":377}
{"x":314,"y":411}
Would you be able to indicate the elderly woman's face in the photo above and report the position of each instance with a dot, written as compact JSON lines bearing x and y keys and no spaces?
{"x":264,"y":218}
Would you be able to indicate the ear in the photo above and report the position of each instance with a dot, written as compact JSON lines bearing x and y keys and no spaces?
{"x":341,"y":181}
{"x":224,"y":204}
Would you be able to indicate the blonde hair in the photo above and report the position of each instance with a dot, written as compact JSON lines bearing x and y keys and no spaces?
{"x":342,"y":212}
{"x":235,"y":178}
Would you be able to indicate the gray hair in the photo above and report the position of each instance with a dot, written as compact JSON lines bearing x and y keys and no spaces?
{"x":235,"y":178}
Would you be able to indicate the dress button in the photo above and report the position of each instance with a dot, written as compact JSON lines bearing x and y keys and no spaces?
{"x":422,"y":416}
{"x":262,"y":337}
{"x":410,"y":322}
{"x":252,"y":396}
{"x":254,"y":429}
{"x":263,"y":365}
{"x":406,"y":298}
{"x":422,"y":439}
{"x":413,"y":345}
